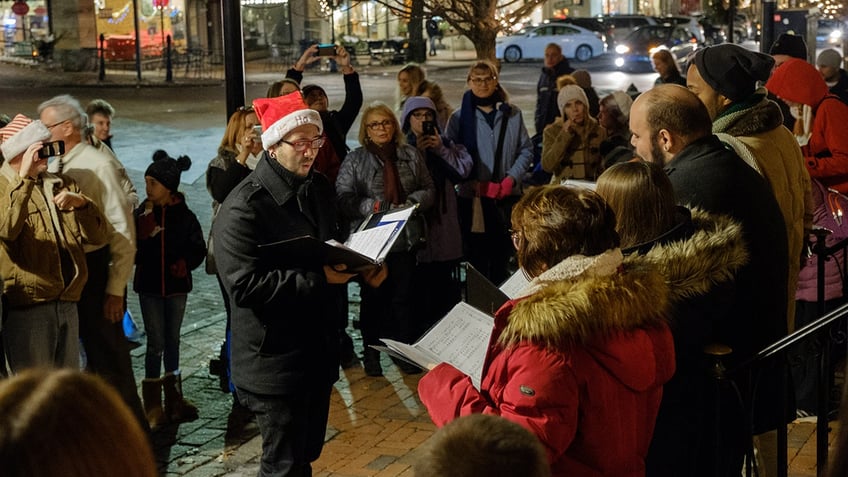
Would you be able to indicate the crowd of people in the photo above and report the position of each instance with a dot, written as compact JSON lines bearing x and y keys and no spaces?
{"x":649,"y":226}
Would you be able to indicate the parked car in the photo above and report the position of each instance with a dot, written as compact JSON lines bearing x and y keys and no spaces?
{"x":389,"y":51}
{"x":688,"y":22}
{"x":589,"y":23}
{"x":829,"y":33}
{"x":634,"y":52}
{"x":529,"y":43}
{"x":619,"y":26}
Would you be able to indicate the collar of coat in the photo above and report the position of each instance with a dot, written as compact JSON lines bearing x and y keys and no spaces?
{"x":586,"y":298}
{"x":692,"y":267}
{"x":755,"y":115}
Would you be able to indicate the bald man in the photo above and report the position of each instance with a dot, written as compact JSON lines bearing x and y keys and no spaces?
{"x":672,"y":127}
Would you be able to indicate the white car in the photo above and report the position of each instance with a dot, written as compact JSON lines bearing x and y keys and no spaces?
{"x":529,"y":43}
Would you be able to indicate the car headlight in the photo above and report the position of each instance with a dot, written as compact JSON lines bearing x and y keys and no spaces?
{"x":619,"y":62}
{"x":622,"y":49}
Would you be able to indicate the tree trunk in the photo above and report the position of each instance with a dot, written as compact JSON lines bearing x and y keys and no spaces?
{"x":417,"y":42}
{"x":484,"y":43}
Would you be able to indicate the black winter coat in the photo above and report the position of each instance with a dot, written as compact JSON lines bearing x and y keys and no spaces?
{"x":707,"y":175}
{"x":283,"y":328}
{"x":546,"y":94}
{"x":170,"y":245}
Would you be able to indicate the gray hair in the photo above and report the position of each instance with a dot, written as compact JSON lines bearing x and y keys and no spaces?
{"x":67,"y":108}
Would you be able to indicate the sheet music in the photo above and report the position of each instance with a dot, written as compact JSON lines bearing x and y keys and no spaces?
{"x":401,"y":215}
{"x":461,"y":339}
{"x":513,"y":285}
{"x":371,"y":242}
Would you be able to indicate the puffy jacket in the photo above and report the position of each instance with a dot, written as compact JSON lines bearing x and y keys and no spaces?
{"x":580,"y":363}
{"x":170,"y":245}
{"x":30,"y":264}
{"x":546,"y":94}
{"x":824,"y":202}
{"x":360,"y":182}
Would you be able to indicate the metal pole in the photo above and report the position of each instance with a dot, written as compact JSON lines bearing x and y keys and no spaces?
{"x":137,"y":42}
{"x":102,"y":74}
{"x":233,"y":54}
{"x":162,"y":23}
{"x":767,"y":22}
{"x":169,"y":72}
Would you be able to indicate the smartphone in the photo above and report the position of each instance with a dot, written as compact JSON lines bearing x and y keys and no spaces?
{"x":428,"y":128}
{"x":52,"y":149}
{"x":326,"y":49}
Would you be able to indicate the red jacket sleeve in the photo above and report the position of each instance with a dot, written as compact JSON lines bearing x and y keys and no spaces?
{"x":828,"y":135}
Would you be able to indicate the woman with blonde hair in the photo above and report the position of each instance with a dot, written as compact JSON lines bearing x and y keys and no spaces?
{"x":383,"y":174}
{"x":408,"y":78}
{"x":238,"y":154}
{"x":75,"y":420}
{"x":493,"y":132}
{"x":432,"y":90}
{"x":698,"y":254}
{"x":665,"y":64}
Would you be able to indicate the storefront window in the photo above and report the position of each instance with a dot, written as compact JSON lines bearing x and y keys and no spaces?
{"x":266,"y":23}
{"x":157,"y":20}
{"x":23,"y":33}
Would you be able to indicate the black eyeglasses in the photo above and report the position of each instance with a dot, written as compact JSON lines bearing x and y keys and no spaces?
{"x":303,"y":144}
{"x":425,"y":115}
{"x":384,"y":124}
{"x":56,"y":124}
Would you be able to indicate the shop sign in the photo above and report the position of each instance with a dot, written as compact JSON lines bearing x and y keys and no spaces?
{"x":20,"y":8}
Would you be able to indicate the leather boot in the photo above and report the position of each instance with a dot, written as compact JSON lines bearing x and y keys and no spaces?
{"x":177,"y":408}
{"x":151,"y":394}
{"x":371,"y":361}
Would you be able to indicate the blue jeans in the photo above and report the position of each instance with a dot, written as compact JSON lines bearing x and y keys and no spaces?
{"x":162,"y":317}
{"x":292,"y":427}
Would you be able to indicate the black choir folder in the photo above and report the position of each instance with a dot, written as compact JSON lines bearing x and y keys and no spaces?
{"x":366,"y":247}
{"x":462,"y":337}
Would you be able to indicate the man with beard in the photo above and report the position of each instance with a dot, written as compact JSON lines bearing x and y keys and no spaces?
{"x":672,"y":127}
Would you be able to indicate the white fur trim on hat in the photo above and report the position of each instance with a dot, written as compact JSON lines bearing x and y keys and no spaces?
{"x":288,"y":123}
{"x":624,"y":101}
{"x":30,"y":134}
{"x":569,"y":93}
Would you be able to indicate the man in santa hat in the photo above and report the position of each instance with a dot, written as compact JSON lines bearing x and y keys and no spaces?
{"x":284,"y":341}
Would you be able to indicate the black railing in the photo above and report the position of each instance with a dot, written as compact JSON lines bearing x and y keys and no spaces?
{"x":820,"y":334}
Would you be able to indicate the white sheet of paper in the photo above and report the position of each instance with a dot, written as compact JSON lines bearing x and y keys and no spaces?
{"x":513,"y":285}
{"x":461,"y":339}
{"x":371,"y":242}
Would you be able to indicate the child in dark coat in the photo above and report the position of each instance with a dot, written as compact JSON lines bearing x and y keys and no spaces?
{"x":170,"y":245}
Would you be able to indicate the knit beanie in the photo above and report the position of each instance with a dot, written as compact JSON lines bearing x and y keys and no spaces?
{"x":411,"y":104}
{"x":280,"y":115}
{"x":623,"y":101}
{"x":789,"y":44}
{"x":583,"y":78}
{"x":829,"y":57}
{"x":19,"y":134}
{"x":311,"y":88}
{"x":167,"y":170}
{"x":570,"y":93}
{"x":732,"y":70}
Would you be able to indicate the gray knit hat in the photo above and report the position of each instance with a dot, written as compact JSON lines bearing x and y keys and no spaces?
{"x":829,"y":57}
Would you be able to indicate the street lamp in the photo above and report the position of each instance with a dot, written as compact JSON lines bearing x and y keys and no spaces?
{"x":161,"y":5}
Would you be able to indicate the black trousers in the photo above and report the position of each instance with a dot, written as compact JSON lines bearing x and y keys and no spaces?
{"x":106,"y":347}
{"x":292,"y":427}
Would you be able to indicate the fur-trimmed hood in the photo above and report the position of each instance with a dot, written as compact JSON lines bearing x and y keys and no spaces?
{"x":588,"y":306}
{"x":692,"y":267}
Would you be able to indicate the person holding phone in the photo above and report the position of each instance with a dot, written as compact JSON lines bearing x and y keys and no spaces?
{"x":46,"y":223}
{"x":331,"y":155}
{"x":449,"y":163}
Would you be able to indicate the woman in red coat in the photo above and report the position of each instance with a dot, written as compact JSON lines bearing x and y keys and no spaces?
{"x":580,"y":358}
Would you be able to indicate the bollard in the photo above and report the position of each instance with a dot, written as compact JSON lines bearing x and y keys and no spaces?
{"x":102,"y":74}
{"x":169,"y":70}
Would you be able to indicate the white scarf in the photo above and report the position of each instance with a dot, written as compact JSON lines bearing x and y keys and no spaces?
{"x":576,"y":266}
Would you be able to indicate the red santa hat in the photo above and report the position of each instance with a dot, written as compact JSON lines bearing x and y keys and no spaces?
{"x":19,"y":134}
{"x":280,"y":115}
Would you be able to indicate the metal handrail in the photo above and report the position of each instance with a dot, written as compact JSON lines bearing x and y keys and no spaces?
{"x":782,"y":346}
